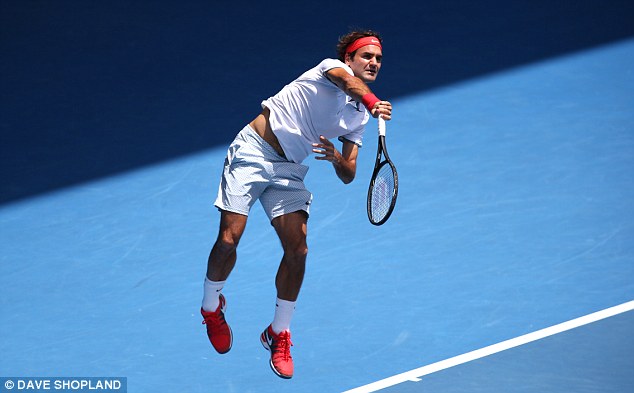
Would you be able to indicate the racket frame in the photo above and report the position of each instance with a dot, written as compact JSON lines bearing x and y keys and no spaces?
{"x":382,"y":151}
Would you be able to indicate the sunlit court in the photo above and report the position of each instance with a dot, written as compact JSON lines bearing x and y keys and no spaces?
{"x":507,"y":264}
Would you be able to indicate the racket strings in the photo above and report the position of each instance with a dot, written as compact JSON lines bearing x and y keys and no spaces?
{"x":382,"y":193}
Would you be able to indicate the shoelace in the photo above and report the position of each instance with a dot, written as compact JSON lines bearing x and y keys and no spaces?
{"x":215,"y":320}
{"x":283,"y":346}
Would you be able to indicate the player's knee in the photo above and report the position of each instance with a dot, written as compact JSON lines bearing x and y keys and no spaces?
{"x":296,"y":253}
{"x":225,"y":245}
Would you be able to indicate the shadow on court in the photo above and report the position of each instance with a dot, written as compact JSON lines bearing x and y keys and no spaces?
{"x":90,"y":89}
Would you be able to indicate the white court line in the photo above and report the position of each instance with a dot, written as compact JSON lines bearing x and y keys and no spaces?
{"x":416,"y":374}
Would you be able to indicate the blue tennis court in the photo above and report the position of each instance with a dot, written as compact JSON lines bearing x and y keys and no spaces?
{"x":514,"y":215}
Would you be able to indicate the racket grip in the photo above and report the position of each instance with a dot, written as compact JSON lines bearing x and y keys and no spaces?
{"x":381,"y":125}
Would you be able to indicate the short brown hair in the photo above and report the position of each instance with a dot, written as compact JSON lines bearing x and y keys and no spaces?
{"x":346,"y":40}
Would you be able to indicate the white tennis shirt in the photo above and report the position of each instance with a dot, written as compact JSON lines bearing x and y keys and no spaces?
{"x":311,"y":106}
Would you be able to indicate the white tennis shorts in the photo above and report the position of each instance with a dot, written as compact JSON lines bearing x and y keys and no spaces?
{"x":253,"y":171}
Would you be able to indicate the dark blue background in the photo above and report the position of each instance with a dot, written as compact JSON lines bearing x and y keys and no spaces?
{"x":90,"y":89}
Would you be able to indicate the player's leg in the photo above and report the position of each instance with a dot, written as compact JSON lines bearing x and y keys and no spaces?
{"x":287,"y":204}
{"x":221,"y":261}
{"x":222,"y":257}
{"x":240,"y":186}
{"x":291,"y":229}
{"x":243,"y":180}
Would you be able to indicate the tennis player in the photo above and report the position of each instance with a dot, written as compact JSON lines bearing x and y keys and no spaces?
{"x":264,"y":162}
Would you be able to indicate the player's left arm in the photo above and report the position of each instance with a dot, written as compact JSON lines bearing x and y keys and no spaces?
{"x":344,"y":162}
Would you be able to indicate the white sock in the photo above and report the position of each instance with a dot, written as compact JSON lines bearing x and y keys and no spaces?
{"x":211,"y":295}
{"x":283,"y":315}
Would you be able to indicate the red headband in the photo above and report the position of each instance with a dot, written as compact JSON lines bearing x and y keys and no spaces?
{"x":363,"y":41}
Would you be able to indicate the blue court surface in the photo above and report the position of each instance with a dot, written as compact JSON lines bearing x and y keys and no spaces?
{"x":515,"y":214}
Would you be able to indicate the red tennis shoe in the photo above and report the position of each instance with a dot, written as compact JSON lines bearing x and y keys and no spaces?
{"x":218,"y":330}
{"x":280,"y":347}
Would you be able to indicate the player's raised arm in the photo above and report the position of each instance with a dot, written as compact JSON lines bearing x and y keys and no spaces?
{"x":360,"y":92}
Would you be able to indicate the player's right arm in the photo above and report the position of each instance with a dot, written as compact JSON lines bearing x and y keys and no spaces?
{"x":357,"y":89}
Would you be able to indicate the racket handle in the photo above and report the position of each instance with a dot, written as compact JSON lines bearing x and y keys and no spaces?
{"x":381,"y":125}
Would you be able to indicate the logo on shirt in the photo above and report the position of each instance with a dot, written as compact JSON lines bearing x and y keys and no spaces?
{"x":355,"y":104}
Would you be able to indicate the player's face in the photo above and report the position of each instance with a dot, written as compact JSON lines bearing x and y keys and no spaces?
{"x":366,"y":63}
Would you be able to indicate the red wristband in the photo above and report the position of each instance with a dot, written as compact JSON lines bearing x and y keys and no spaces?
{"x":369,"y":100}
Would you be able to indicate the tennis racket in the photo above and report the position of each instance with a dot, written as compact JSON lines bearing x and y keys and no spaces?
{"x":383,"y":188}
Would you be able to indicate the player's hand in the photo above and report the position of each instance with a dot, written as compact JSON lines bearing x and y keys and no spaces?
{"x":327,"y":149}
{"x":382,"y":108}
